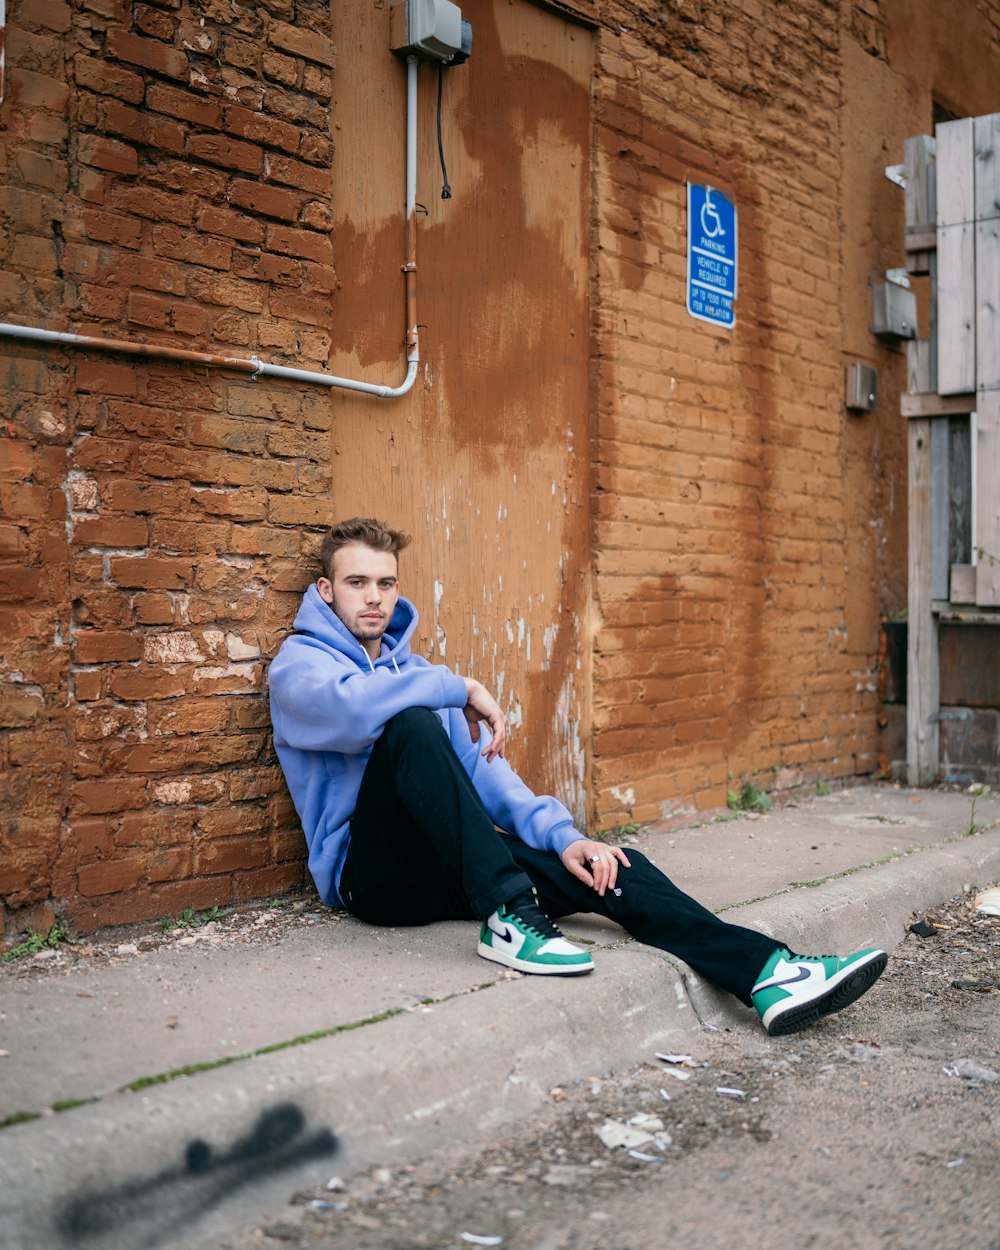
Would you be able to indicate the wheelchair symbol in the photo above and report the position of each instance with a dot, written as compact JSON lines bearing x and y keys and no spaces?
{"x":709,"y":213}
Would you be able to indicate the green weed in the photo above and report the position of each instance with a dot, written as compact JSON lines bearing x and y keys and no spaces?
{"x":975,"y":793}
{"x":748,"y":799}
{"x":34,"y":943}
{"x":188,"y":919}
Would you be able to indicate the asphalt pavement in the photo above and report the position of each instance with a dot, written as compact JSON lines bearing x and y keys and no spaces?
{"x":166,"y":1090}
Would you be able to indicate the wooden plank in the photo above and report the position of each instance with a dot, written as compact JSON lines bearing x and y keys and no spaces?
{"x":954,"y":155}
{"x":935,"y":405}
{"x":932,"y":270}
{"x":986,"y":141}
{"x":939,"y":509}
{"x":918,"y":366}
{"x":988,"y":304}
{"x":956,"y":309}
{"x":922,"y":672}
{"x":987,"y":499}
{"x":921,"y":183}
{"x":959,"y":493}
{"x":963,"y":583}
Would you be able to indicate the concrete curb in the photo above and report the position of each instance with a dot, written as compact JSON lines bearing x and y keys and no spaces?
{"x":403,"y":1087}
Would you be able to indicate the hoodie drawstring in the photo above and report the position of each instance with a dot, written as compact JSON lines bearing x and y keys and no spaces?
{"x":372,"y":666}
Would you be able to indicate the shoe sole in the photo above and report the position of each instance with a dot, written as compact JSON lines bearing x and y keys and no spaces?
{"x":525,"y":965}
{"x":858,"y":981}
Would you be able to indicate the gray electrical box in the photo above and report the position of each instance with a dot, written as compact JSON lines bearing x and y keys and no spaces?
{"x":894,"y":311}
{"x":860,"y":388}
{"x":430,"y":29}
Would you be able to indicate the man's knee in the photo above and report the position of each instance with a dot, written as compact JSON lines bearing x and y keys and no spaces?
{"x":411,"y":722}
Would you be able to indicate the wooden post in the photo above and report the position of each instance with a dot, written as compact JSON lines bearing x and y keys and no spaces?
{"x":922,"y":674}
{"x":956,"y":258}
{"x":986,"y":457}
{"x":987,"y":209}
{"x":986,"y":494}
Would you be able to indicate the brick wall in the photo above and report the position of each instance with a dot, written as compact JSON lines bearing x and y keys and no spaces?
{"x":749,"y":532}
{"x":164,"y":175}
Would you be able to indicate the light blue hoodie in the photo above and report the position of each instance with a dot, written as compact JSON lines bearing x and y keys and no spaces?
{"x":329,"y":703}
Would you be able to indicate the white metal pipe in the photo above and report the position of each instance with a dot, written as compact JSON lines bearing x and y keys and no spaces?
{"x":254,"y":365}
{"x":411,"y":134}
{"x":265,"y":370}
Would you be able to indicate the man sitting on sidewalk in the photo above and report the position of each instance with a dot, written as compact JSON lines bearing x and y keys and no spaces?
{"x":403,"y":797}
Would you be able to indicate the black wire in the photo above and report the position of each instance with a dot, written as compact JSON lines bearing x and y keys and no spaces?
{"x":445,"y":190}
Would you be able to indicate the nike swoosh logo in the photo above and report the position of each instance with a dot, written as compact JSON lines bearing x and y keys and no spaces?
{"x":784,"y":975}
{"x":503,"y":933}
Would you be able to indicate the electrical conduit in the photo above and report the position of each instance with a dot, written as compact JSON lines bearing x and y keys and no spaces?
{"x":253,"y":364}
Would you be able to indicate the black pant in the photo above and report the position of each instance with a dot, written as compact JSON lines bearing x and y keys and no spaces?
{"x":423,"y":848}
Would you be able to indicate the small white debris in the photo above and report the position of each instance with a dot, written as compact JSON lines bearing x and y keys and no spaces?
{"x":686,"y":1060}
{"x":988,"y":901}
{"x":651,"y":1123}
{"x":971,"y":1071}
{"x":955,"y":1163}
{"x":614,"y":1134}
{"x":565,"y":1174}
{"x":728,"y":1092}
{"x":677,"y":1074}
{"x":321,"y":1204}
{"x":664,"y":1095}
{"x":336,"y":1184}
{"x":637,"y":1154}
{"x":475,"y":1240}
{"x":127,"y":948}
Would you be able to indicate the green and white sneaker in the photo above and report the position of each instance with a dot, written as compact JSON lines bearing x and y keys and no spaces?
{"x":794,"y":991}
{"x":521,"y":936}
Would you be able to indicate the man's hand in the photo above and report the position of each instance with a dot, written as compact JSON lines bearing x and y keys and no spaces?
{"x":481,"y":705}
{"x":595,"y":863}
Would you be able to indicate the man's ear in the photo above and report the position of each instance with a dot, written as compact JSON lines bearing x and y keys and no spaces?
{"x":325,"y":588}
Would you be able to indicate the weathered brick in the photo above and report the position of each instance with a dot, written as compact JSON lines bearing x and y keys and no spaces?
{"x":309,"y":44}
{"x":305,"y":243}
{"x":42,"y":171}
{"x":292,"y":173}
{"x":181,"y":104}
{"x":31,"y":91}
{"x":192,"y":247}
{"x":151,"y":572}
{"x":227,"y":153}
{"x":155,"y":205}
{"x":142,"y":128}
{"x":260,"y":128}
{"x":105,"y":79}
{"x":230,"y":225}
{"x":100,"y":647}
{"x":270,"y":201}
{"x":105,"y":227}
{"x":122,"y":45}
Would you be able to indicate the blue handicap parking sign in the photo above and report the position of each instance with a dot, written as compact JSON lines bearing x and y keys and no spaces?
{"x":711,"y":274}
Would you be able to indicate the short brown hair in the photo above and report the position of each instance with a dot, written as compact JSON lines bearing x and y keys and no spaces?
{"x":360,"y":529}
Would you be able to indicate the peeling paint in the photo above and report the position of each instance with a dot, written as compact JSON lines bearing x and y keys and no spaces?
{"x":625,"y":797}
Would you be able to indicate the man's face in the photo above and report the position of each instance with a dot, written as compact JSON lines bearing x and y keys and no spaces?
{"x":363,"y":592}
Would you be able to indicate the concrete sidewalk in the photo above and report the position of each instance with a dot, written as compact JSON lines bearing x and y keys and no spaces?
{"x":321,"y":1046}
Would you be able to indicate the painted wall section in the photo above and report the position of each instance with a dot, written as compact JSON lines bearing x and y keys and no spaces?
{"x":748,"y":532}
{"x":486,"y":462}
